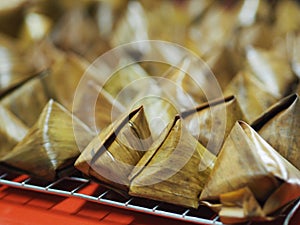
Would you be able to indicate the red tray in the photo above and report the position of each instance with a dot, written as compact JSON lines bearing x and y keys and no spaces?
{"x":76,"y":200}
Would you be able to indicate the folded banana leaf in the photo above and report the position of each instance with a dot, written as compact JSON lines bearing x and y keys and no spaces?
{"x":144,"y":20}
{"x":180,"y":86}
{"x":159,"y":108}
{"x":280,"y":127}
{"x":76,"y":31}
{"x":188,"y":81}
{"x":50,"y":146}
{"x":223,"y":22}
{"x":14,"y":66}
{"x":214,"y":29}
{"x":111,"y":156}
{"x":253,"y":12}
{"x":272,"y":70}
{"x":287,"y":17}
{"x":11,"y":16}
{"x":211,"y":122}
{"x":174,"y":169}
{"x":96,"y":108}
{"x":251,"y":94}
{"x":224,"y":64}
{"x":160,"y":25}
{"x":259,"y":35}
{"x":294,"y":52}
{"x":43,"y":55}
{"x":65,"y":73}
{"x":159,"y":113}
{"x":131,"y":27}
{"x":125,"y":84}
{"x":107,"y":15}
{"x":12,"y":131}
{"x":250,"y":179}
{"x":35,"y":27}
{"x":27,"y":101}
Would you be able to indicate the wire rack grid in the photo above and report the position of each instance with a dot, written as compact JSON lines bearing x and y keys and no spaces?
{"x":70,"y":187}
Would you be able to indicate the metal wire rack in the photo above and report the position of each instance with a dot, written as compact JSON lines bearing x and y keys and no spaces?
{"x":70,"y":187}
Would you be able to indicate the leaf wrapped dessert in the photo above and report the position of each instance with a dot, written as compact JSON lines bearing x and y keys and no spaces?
{"x":66,"y":70}
{"x":124,"y":84}
{"x":280,"y":127}
{"x":50,"y":147}
{"x":174,"y":169}
{"x":202,"y":37}
{"x":211,"y":122}
{"x":12,"y":131}
{"x":180,"y":87}
{"x":287,"y":15}
{"x":224,"y":64}
{"x":24,"y":98}
{"x":250,"y":180}
{"x":11,"y":15}
{"x":251,"y":95}
{"x":99,"y":114}
{"x":36,"y":26}
{"x":110,"y":157}
{"x":76,"y":30}
{"x":260,"y":35}
{"x":159,"y":112}
{"x":272,"y":70}
{"x":15,"y":68}
{"x":294,"y":52}
{"x":132,"y":26}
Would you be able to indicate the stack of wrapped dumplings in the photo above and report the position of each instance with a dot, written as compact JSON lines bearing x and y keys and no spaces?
{"x":237,"y":153}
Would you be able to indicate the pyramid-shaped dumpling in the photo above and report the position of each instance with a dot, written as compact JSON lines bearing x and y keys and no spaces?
{"x":280,"y":127}
{"x":250,"y":180}
{"x":251,"y":94}
{"x":211,"y":122}
{"x":31,"y":95}
{"x":111,"y":156}
{"x":12,"y":130}
{"x":174,"y":169}
{"x":50,"y":145}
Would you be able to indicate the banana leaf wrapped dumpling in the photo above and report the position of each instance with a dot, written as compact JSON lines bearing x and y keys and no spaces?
{"x":250,"y":180}
{"x":251,"y":95}
{"x":174,"y":169}
{"x":272,"y":70}
{"x":159,"y":108}
{"x":110,"y":156}
{"x":31,"y":95}
{"x":50,"y":146}
{"x":280,"y":127}
{"x":294,"y":52}
{"x":124,"y":84}
{"x":66,"y":70}
{"x":159,"y":112}
{"x":96,"y":107}
{"x":211,"y":122}
{"x":180,"y":86}
{"x":12,"y":131}
{"x":219,"y":19}
{"x":287,"y":17}
{"x":224,"y":63}
{"x":76,"y":31}
{"x":15,"y":67}
{"x":11,"y":16}
{"x":30,"y":33}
